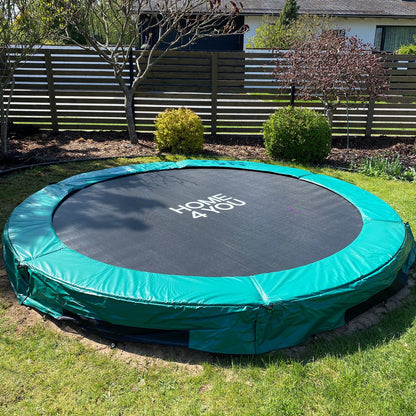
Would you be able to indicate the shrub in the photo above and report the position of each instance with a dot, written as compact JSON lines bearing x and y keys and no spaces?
{"x":296,"y":133}
{"x":179,"y":130}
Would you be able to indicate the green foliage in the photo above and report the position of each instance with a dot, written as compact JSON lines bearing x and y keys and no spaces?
{"x":179,"y":131}
{"x":277,"y":32}
{"x":73,"y":36}
{"x":107,"y":22}
{"x":407,"y":50}
{"x":386,"y":168}
{"x":32,"y":22}
{"x":24,"y":26}
{"x":269,"y":35}
{"x":289,"y":13}
{"x":295,"y":133}
{"x":272,"y":34}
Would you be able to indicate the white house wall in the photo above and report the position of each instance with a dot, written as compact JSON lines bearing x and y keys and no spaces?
{"x":364,"y":28}
{"x":253,"y":23}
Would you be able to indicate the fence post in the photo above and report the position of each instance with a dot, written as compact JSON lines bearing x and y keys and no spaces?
{"x":292,"y":94}
{"x":214,"y":92}
{"x":51,"y":90}
{"x":370,"y":116}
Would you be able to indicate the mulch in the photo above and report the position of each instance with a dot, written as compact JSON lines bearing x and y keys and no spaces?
{"x":41,"y":147}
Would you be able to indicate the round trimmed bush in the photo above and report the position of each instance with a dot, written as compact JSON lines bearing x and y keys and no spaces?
{"x":179,"y":130}
{"x":295,"y":133}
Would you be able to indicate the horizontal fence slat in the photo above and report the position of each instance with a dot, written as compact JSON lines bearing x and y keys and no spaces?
{"x":393,"y":132}
{"x":395,"y":106}
{"x":88,"y":97}
{"x":404,"y":91}
{"x":402,"y":78}
{"x":96,"y":127}
{"x":399,"y":72}
{"x":402,"y":125}
{"x":88,"y":101}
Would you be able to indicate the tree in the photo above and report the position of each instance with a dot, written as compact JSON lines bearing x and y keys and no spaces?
{"x":115,"y":28}
{"x":24,"y":26}
{"x":332,"y":67}
{"x":289,"y":13}
{"x":271,"y":34}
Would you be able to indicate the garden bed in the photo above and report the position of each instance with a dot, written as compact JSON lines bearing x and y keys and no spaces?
{"x":68,"y":145}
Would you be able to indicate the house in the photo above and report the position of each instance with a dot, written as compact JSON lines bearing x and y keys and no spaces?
{"x":386,"y":24}
{"x":234,"y":42}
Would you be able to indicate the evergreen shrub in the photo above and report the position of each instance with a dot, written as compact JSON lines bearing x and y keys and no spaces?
{"x":295,"y":133}
{"x":179,"y":130}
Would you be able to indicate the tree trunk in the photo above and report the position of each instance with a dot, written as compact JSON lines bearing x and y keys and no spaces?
{"x":4,"y":113}
{"x":3,"y":130}
{"x":328,"y":110}
{"x":131,"y":122}
{"x":330,"y":115}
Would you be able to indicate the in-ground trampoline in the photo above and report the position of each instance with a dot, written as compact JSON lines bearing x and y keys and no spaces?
{"x":229,"y":257}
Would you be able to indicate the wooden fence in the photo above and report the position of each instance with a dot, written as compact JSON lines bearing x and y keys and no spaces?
{"x":233,"y":92}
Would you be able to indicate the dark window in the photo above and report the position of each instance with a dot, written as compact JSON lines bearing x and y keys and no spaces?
{"x":391,"y":38}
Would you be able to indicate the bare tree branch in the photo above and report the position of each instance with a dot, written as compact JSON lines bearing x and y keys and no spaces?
{"x":332,"y":68}
{"x":169,"y":25}
{"x":24,"y":26}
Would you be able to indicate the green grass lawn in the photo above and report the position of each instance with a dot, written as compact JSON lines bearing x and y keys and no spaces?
{"x":44,"y":371}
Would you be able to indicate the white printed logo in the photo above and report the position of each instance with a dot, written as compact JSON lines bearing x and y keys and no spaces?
{"x":213,"y":204}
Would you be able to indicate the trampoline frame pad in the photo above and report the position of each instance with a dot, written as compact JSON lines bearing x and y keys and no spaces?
{"x":243,"y":314}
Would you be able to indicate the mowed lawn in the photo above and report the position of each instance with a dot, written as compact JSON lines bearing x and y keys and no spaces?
{"x":48,"y":371}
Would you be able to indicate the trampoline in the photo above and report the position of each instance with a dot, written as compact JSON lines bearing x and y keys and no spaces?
{"x":220,"y":256}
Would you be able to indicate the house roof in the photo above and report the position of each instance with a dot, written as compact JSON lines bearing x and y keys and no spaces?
{"x":344,"y":8}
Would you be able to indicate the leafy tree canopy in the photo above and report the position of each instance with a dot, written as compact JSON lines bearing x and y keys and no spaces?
{"x":289,"y":13}
{"x":24,"y":26}
{"x":271,"y":34}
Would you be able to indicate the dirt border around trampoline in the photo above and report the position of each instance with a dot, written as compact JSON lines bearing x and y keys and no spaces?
{"x":144,"y":356}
